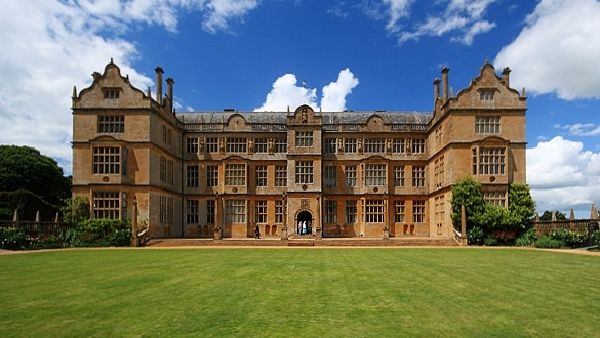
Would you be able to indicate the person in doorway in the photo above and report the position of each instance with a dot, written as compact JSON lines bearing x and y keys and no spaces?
{"x":299,"y":228}
{"x":304,"y":228}
{"x":256,"y":232}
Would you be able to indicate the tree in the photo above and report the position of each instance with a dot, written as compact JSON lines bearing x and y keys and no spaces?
{"x":23,"y":167}
{"x":467,"y":191}
{"x":24,"y":170}
{"x":488,"y":220}
{"x":547,"y":216}
{"x":520,"y":205}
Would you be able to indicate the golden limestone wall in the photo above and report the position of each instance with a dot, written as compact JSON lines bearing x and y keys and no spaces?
{"x":153,"y":155}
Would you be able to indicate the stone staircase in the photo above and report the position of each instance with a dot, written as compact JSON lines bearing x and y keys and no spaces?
{"x":303,"y":242}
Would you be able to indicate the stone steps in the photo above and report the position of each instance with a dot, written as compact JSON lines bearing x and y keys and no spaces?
{"x":272,"y":242}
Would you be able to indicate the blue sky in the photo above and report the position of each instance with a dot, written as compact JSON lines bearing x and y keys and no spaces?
{"x":356,"y":55}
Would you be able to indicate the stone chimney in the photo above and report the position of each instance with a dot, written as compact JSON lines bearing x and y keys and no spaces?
{"x":159,"y":74}
{"x":445,"y":83}
{"x":506,"y":76}
{"x":436,"y":89}
{"x":170,"y":83}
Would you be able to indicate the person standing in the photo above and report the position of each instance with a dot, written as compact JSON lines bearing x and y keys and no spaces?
{"x":256,"y":232}
{"x":304,"y":228}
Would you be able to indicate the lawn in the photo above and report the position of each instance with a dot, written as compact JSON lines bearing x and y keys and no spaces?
{"x":300,"y":292}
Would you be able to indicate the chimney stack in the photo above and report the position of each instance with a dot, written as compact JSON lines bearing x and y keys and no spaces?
{"x":445,"y":83}
{"x":170,"y":83}
{"x":436,"y":89}
{"x":159,"y":74}
{"x":506,"y":76}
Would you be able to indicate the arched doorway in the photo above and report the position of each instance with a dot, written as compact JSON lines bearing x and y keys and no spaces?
{"x":304,"y":222}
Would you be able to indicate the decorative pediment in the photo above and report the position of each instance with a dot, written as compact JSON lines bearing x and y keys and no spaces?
{"x":375,"y":123}
{"x":109,"y":90}
{"x":305,"y":115}
{"x":236,"y":121}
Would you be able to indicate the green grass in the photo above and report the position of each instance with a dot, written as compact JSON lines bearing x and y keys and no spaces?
{"x":300,"y":292}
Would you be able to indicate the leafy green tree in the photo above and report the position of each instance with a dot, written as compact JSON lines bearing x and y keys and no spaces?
{"x":547,"y":216}
{"x":520,"y":205}
{"x":467,"y":191}
{"x":23,"y":167}
{"x":485,"y":220}
{"x":76,"y":210}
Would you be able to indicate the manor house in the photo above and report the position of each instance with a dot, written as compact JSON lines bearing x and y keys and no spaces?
{"x":373,"y":174}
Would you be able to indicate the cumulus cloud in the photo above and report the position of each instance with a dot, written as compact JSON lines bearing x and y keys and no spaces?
{"x":49,"y":46}
{"x":463,"y":18}
{"x":287,"y":94}
{"x":557,"y":51}
{"x":46,"y":50}
{"x":334,"y":94}
{"x":567,"y":178}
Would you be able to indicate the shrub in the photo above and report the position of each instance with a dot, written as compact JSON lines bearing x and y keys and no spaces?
{"x":490,"y":241}
{"x":569,"y":238}
{"x":547,"y":242}
{"x":527,"y":238}
{"x":595,"y":238}
{"x":98,"y":232}
{"x":12,"y":239}
{"x":475,"y":235}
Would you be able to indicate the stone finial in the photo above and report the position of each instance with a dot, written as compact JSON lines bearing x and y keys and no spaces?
{"x":74,"y":92}
{"x":537,"y":216}
{"x":463,"y":220}
{"x":523,"y":94}
{"x":594,"y":213}
{"x":95,"y":75}
{"x":571,"y":215}
{"x":112,"y":61}
{"x":554,"y":216}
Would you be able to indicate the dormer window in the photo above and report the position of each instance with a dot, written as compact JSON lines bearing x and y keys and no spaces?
{"x":111,"y":93}
{"x":486,"y":94}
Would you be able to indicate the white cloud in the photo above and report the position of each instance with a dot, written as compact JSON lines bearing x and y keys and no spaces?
{"x":49,"y":46}
{"x":397,"y":9}
{"x":460,"y":17}
{"x":557,"y":51}
{"x":334,"y":94}
{"x":567,"y":178}
{"x":581,"y":129}
{"x":220,"y":12}
{"x":286,"y":94}
{"x":45,"y":52}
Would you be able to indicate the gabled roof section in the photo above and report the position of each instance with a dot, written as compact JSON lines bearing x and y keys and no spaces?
{"x":502,"y":96}
{"x":93,"y":96}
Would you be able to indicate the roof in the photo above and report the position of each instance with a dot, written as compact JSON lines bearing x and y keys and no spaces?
{"x":350,"y":117}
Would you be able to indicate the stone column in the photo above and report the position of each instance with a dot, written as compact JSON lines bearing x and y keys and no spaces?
{"x":284,"y":234}
{"x":217,"y":231}
{"x":386,"y":220}
{"x":134,"y":224}
{"x":318,"y":229}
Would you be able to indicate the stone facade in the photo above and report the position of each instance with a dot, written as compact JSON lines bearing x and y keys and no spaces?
{"x":346,"y":174}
